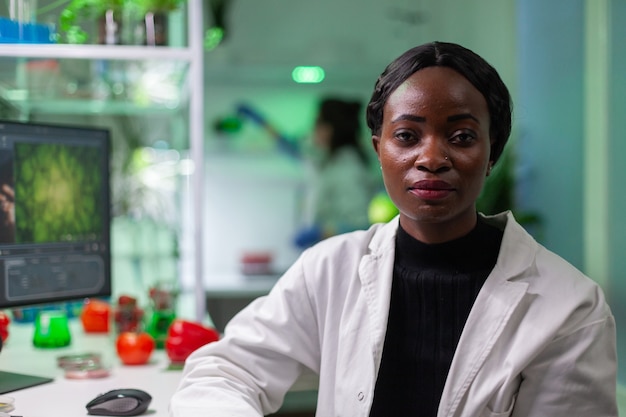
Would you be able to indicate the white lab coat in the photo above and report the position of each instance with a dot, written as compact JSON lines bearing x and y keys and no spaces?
{"x":342,"y":191}
{"x":539,"y":340}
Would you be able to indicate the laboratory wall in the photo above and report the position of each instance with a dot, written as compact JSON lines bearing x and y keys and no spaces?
{"x":549,"y":119}
{"x":552,"y":114}
{"x":617,"y":174}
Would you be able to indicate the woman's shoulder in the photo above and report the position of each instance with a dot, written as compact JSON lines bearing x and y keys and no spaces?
{"x":357,"y":239}
{"x":556,"y":282}
{"x":521,"y":250}
{"x":354,"y":244}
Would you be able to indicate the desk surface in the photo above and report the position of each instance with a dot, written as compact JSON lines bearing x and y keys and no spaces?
{"x":234,"y":285}
{"x":67,"y":397}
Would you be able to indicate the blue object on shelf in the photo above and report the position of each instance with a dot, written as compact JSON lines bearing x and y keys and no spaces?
{"x":71,"y":309}
{"x":12,"y":31}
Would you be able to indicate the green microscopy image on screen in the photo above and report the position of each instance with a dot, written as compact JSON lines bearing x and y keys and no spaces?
{"x":57,"y":193}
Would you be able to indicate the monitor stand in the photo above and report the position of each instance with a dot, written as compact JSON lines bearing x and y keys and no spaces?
{"x":10,"y":381}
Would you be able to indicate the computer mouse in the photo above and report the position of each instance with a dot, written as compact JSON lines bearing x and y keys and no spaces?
{"x":120,"y":402}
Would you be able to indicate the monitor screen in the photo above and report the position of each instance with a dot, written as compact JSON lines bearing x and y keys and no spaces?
{"x":54,"y":213}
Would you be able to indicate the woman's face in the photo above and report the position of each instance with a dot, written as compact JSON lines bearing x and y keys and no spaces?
{"x":322,"y":133}
{"x":434,"y":150}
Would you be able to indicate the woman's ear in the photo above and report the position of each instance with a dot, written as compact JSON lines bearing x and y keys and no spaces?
{"x":375,"y":144}
{"x":489,"y":167}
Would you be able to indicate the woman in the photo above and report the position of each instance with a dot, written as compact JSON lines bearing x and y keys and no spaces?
{"x":440,"y":312}
{"x":343,"y":185}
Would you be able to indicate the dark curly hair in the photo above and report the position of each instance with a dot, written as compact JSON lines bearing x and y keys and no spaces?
{"x":443,"y":54}
{"x":344,"y":118}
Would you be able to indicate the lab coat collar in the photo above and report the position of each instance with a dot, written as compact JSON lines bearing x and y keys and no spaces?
{"x":496,"y":302}
{"x":376,"y":272}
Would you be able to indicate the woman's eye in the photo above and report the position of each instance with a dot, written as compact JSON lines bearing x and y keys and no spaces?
{"x":404,"y":136}
{"x":463,"y":138}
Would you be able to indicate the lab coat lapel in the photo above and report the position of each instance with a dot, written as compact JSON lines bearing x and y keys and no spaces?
{"x":493,"y":308}
{"x":375,"y":272}
{"x":364,"y":319}
{"x":484,"y":326}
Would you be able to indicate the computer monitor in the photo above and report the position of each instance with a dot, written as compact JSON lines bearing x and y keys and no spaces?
{"x":54,"y":216}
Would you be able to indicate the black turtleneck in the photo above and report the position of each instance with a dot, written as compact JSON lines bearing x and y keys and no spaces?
{"x":434,"y":287}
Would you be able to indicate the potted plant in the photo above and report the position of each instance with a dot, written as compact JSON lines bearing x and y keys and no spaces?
{"x":499,"y":194}
{"x":159,"y":6}
{"x":105,"y":13}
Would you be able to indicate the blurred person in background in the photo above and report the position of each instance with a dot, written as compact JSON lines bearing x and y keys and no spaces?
{"x":342,"y":184}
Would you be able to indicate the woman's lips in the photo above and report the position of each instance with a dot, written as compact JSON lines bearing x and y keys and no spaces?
{"x":431,"y":190}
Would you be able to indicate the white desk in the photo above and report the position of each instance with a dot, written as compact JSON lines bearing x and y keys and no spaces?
{"x":67,"y":397}
{"x":228,"y":293}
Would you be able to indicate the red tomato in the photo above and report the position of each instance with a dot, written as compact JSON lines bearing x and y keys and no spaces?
{"x":134,"y":348}
{"x":183,"y":337}
{"x":95,"y":316}
{"x":4,"y":326}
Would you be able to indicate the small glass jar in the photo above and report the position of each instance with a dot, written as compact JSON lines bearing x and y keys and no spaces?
{"x":52,"y":330}
{"x":162,"y":311}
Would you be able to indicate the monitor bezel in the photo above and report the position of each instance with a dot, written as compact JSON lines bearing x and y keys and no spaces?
{"x":102,"y":137}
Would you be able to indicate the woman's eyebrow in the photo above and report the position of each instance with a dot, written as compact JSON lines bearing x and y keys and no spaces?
{"x":462,"y":116}
{"x":421,"y":119}
{"x":409,"y":117}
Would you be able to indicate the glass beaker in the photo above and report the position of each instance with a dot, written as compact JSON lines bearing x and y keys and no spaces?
{"x":162,"y":311}
{"x":52,"y":330}
{"x":24,"y":11}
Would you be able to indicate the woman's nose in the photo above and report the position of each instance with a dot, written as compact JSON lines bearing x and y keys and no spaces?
{"x":432,"y":156}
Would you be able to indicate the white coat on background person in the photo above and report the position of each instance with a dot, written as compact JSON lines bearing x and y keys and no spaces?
{"x":342,"y":184}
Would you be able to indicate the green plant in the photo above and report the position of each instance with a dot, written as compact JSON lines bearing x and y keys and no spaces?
{"x":499,"y":193}
{"x":145,"y":6}
{"x":79,"y":11}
